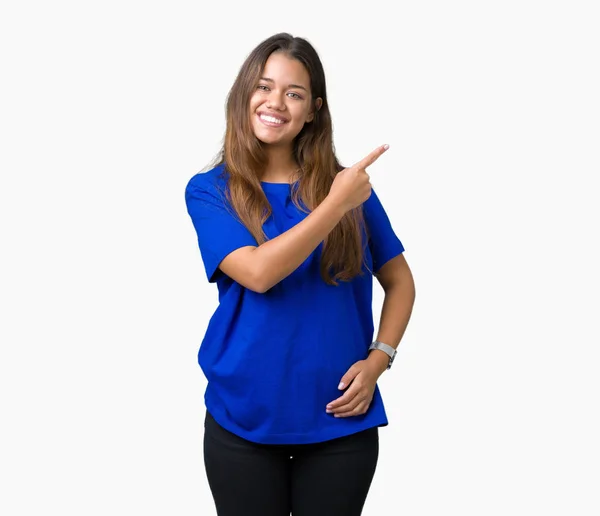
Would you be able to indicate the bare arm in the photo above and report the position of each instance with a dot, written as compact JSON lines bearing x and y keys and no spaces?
{"x":259,"y":268}
{"x":398,"y":284}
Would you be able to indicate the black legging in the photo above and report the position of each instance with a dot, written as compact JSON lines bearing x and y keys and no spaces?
{"x":331,"y":478}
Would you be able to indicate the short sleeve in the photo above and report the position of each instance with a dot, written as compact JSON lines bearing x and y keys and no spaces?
{"x":219,"y":231}
{"x":383,"y":242}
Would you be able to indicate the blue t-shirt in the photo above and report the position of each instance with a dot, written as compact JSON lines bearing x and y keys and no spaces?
{"x":273,"y":361}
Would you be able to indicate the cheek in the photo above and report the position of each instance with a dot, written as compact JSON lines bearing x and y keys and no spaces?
{"x":302,"y":116}
{"x":255,"y":101}
{"x":298,"y":113}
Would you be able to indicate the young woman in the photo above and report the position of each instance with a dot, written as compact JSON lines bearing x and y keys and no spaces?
{"x":292,"y":239}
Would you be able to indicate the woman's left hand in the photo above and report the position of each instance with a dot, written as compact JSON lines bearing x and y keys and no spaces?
{"x":357,"y":399}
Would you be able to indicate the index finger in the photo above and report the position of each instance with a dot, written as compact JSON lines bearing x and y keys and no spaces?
{"x":372,"y":157}
{"x":348,"y":396}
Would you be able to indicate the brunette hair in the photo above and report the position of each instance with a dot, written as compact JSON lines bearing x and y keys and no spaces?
{"x":244,"y":159}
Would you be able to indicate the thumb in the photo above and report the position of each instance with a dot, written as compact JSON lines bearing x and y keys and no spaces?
{"x":349,"y":376}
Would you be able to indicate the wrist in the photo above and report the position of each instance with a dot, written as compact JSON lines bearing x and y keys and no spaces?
{"x":379,"y":359}
{"x":336,"y":207}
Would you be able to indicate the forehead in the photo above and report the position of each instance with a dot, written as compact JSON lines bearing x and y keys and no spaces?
{"x":284,"y":69}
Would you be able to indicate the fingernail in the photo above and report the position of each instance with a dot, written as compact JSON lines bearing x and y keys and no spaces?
{"x":386,"y":146}
{"x":341,"y":385}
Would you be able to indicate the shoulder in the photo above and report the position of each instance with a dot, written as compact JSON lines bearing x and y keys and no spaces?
{"x":372,"y":204}
{"x":212,"y":181}
{"x":209,"y":186}
{"x":375,"y":214}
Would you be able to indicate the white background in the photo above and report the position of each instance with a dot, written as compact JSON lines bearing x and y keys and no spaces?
{"x":491,"y":110}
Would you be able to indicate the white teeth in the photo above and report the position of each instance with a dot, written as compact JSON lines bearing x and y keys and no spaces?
{"x":271,"y":119}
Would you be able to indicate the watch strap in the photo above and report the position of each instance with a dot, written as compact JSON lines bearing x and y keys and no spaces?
{"x":389,"y":350}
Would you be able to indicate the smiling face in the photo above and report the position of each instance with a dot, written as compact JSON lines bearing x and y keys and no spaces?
{"x":281,"y":103}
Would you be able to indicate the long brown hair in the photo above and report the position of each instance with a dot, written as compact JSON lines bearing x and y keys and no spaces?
{"x":244,"y":159}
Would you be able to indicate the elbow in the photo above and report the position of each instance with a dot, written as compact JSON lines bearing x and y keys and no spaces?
{"x":260,"y":281}
{"x":246,"y":269}
{"x":256,"y":286}
{"x":260,"y":289}
{"x":253,"y":283}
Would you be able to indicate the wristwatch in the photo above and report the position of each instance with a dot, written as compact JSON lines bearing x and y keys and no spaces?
{"x":386,"y":349}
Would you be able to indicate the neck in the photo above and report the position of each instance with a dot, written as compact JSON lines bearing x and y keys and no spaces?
{"x":280,"y":165}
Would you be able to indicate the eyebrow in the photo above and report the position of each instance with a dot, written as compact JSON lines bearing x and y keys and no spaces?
{"x":289,"y":85}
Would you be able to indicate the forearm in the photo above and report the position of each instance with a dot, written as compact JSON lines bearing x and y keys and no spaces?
{"x":278,"y":258}
{"x":395,"y":315}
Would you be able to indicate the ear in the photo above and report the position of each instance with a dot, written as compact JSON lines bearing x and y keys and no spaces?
{"x":317,"y":104}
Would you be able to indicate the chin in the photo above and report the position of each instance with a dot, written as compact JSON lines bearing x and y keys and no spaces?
{"x":267,"y":138}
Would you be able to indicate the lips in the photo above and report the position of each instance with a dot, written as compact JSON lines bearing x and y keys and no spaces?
{"x":279,"y":119}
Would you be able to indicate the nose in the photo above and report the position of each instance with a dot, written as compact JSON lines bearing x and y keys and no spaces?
{"x":275,"y":101}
